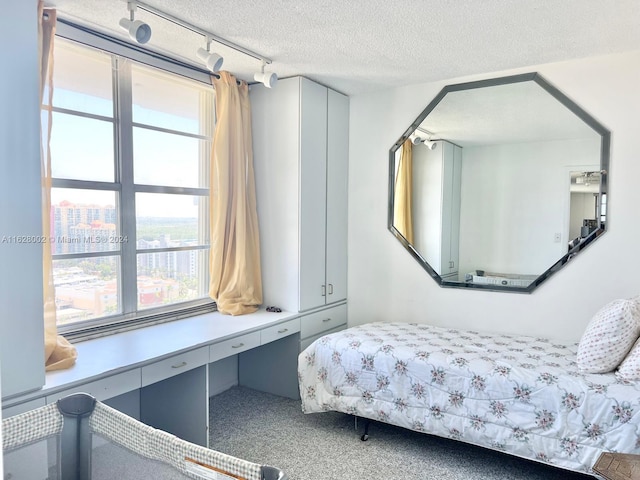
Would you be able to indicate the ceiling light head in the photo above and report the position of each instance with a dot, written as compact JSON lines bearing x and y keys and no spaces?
{"x":269,"y":80}
{"x":212,"y":60}
{"x":137,"y":29}
{"x":416,"y":140}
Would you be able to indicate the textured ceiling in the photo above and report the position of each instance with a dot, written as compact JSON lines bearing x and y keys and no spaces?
{"x":358,"y":47}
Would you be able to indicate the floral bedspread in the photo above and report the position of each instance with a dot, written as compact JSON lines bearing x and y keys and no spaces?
{"x":518,"y":394}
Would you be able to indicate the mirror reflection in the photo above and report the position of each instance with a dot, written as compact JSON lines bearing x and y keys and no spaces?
{"x":499,"y":183}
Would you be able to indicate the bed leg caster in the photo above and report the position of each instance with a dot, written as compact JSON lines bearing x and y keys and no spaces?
{"x":365,"y":435}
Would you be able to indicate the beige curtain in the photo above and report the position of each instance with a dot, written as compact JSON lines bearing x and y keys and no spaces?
{"x":59,"y":353}
{"x":402,"y":205}
{"x":234,"y":259}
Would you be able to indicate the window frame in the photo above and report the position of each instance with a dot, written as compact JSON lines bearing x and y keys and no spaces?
{"x":123,"y":185}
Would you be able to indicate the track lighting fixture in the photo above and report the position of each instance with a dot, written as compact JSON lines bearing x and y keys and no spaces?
{"x":141,"y":33}
{"x":212,"y":60}
{"x":416,"y":140}
{"x":267,"y":79}
{"x":137,"y":29}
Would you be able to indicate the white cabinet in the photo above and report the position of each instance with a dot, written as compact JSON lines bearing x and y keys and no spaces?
{"x":233,"y":346}
{"x":315,"y":325}
{"x":175,"y":365}
{"x":437,"y":179}
{"x":452,"y":167}
{"x":300,"y":148}
{"x":337,"y":186}
{"x":105,"y":388}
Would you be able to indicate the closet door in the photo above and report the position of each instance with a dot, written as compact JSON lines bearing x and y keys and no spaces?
{"x":337,"y":185}
{"x":451,"y":168}
{"x":454,"y":239}
{"x":313,"y":194}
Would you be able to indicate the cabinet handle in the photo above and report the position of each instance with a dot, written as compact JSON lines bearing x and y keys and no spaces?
{"x":325,"y":320}
{"x":283,"y":330}
{"x":237,"y":346}
{"x":324,"y":291}
{"x":330,"y":289}
{"x":179,"y":365}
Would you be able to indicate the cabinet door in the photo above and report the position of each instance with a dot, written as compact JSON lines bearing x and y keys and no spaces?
{"x":313,"y":193}
{"x":454,"y":240}
{"x":446,"y":266}
{"x":337,"y":185}
{"x":451,"y":168}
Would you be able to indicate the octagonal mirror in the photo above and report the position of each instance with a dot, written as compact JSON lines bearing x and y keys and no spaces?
{"x":499,"y":183}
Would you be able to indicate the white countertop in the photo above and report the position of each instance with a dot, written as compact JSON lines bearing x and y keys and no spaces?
{"x":108,"y":355}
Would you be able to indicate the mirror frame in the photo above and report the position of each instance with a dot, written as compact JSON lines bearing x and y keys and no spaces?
{"x":604,"y":133}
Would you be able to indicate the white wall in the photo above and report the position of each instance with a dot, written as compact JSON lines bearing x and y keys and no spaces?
{"x":530,"y":182}
{"x":21,"y":316}
{"x":385,"y":283}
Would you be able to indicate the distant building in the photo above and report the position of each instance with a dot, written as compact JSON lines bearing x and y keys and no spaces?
{"x":88,"y":288}
{"x":74,"y":225}
{"x":80,"y":296}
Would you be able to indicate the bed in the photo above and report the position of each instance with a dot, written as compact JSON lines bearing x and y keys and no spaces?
{"x":517,"y":394}
{"x":79,"y":438}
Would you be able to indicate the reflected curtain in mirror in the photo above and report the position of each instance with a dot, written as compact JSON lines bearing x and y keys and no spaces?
{"x":403,"y":191}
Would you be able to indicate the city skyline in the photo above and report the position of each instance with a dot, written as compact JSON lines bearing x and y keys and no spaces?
{"x":89,"y":287}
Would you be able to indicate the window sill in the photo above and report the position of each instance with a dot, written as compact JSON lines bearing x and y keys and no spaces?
{"x":91,"y":331}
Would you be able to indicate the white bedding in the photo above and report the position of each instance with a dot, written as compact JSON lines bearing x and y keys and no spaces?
{"x":518,"y":394}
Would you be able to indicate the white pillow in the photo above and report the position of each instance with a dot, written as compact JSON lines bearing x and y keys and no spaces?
{"x":609,"y":336}
{"x":629,"y":369}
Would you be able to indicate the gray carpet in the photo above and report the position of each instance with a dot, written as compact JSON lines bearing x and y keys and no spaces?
{"x":272,"y":430}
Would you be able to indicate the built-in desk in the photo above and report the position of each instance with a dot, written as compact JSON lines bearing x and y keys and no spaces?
{"x":160,"y":374}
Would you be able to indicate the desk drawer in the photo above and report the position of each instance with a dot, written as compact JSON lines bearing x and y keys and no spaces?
{"x":105,"y":388}
{"x":324,"y":320}
{"x":281,"y":330}
{"x":233,"y":345}
{"x":174,"y":365}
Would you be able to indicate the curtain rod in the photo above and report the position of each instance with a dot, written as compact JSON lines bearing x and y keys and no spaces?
{"x":204,"y":33}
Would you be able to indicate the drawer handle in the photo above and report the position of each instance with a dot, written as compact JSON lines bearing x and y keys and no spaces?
{"x":283,"y":330}
{"x":326,"y":320}
{"x":237,"y":346}
{"x":179,"y":365}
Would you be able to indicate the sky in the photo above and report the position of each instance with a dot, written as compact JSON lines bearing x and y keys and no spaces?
{"x":82,"y":148}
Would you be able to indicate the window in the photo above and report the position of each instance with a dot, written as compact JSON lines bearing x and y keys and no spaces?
{"x":130,"y":147}
{"x":603,"y":209}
